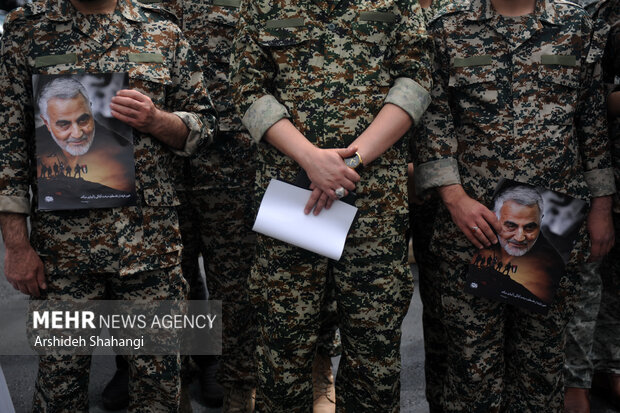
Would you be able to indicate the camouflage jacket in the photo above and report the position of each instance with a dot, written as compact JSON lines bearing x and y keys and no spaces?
{"x":609,"y":12}
{"x":433,"y":9}
{"x":330,"y":67}
{"x":209,"y":27}
{"x":53,"y":38}
{"x":525,"y":104}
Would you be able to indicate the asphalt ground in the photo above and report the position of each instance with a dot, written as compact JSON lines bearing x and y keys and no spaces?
{"x":20,"y":371}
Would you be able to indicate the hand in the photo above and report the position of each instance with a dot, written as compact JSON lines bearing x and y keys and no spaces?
{"x":24,"y":270}
{"x":600,"y":227}
{"x":328,"y":172}
{"x":473,"y":218}
{"x":135,"y":109}
{"x":319,"y":200}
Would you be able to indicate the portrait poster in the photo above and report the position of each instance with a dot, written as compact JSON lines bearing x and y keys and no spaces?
{"x":538,"y":231}
{"x":85,"y":156}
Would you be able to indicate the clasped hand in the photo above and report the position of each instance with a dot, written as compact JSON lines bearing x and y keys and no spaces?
{"x":328,"y":172}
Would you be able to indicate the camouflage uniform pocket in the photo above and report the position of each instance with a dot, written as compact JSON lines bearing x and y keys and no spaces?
{"x":288,"y":49}
{"x":475,"y":91}
{"x":369,"y":51}
{"x":559,"y":87}
{"x":150,"y":78}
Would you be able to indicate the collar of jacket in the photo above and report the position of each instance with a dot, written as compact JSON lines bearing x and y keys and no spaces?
{"x":544,"y":10}
{"x":63,"y":10}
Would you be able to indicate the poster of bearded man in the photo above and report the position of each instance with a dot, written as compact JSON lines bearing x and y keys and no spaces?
{"x":538,"y":230}
{"x":85,"y":157}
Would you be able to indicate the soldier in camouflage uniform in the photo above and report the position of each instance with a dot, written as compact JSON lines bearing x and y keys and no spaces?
{"x":121,"y":253}
{"x":421,"y":218}
{"x":316,"y":82}
{"x":217,"y":210}
{"x":593,"y":333}
{"x":517,"y":97}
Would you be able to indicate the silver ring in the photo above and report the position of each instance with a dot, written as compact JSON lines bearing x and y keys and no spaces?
{"x":339,"y":192}
{"x":475,"y":228}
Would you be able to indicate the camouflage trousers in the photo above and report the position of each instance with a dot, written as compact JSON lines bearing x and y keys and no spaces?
{"x":373,"y":289}
{"x":578,"y":367}
{"x":606,"y":347}
{"x":593,"y":340}
{"x":154,"y":384}
{"x":421,"y":220}
{"x":501,"y":358}
{"x":226,"y":242}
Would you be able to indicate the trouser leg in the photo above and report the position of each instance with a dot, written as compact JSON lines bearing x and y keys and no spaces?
{"x":287,"y":287}
{"x":607,"y":334}
{"x":329,"y":343}
{"x":580,"y":330}
{"x":374,"y":287}
{"x":228,"y":252}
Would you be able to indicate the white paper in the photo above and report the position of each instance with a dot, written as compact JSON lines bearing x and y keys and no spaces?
{"x":281,"y":216}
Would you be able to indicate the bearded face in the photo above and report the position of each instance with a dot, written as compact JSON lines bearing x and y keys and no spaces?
{"x":520,"y":227}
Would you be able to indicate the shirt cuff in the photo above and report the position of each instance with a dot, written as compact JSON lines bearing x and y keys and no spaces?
{"x":600,"y":182}
{"x":199,"y":134}
{"x":14,"y":204}
{"x":262,"y":114}
{"x":432,"y":174}
{"x":410,"y":97}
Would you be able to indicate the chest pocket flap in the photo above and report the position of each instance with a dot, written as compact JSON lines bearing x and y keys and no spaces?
{"x":374,"y":27}
{"x":472,"y":70}
{"x":283,"y":33}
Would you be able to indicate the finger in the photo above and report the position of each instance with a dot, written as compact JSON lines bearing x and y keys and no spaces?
{"x":127,"y":102}
{"x":125,"y":110}
{"x":351,"y":175}
{"x":314,"y":197}
{"x":41,"y":278}
{"x":320,"y":204}
{"x":329,"y":203}
{"x":477,"y":232}
{"x":486,"y":233}
{"x":346,"y":152}
{"x":131,"y":93}
{"x":471,"y":237}
{"x":130,"y":121}
{"x":23,"y":288}
{"x":491,"y":218}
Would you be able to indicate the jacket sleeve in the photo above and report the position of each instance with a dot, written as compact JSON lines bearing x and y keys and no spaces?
{"x":251,"y":74}
{"x":591,"y":124}
{"x":437,"y":147}
{"x":411,"y":62}
{"x":16,"y":117}
{"x":189,"y":99}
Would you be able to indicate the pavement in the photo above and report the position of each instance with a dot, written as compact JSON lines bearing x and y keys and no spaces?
{"x":20,"y":371}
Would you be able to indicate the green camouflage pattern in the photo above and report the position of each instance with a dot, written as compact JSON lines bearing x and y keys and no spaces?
{"x":373,"y":288}
{"x":502,"y":358}
{"x":431,"y":11}
{"x":421,"y":218}
{"x":606,"y":349}
{"x":421,"y":222}
{"x":131,"y":239}
{"x":519,"y":98}
{"x":592,"y":339}
{"x":227,"y":246}
{"x":503,"y":115}
{"x":330,"y":67}
{"x":62,"y":380}
{"x":578,"y":366}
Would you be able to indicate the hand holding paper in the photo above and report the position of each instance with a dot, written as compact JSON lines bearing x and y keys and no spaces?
{"x":281,"y":216}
